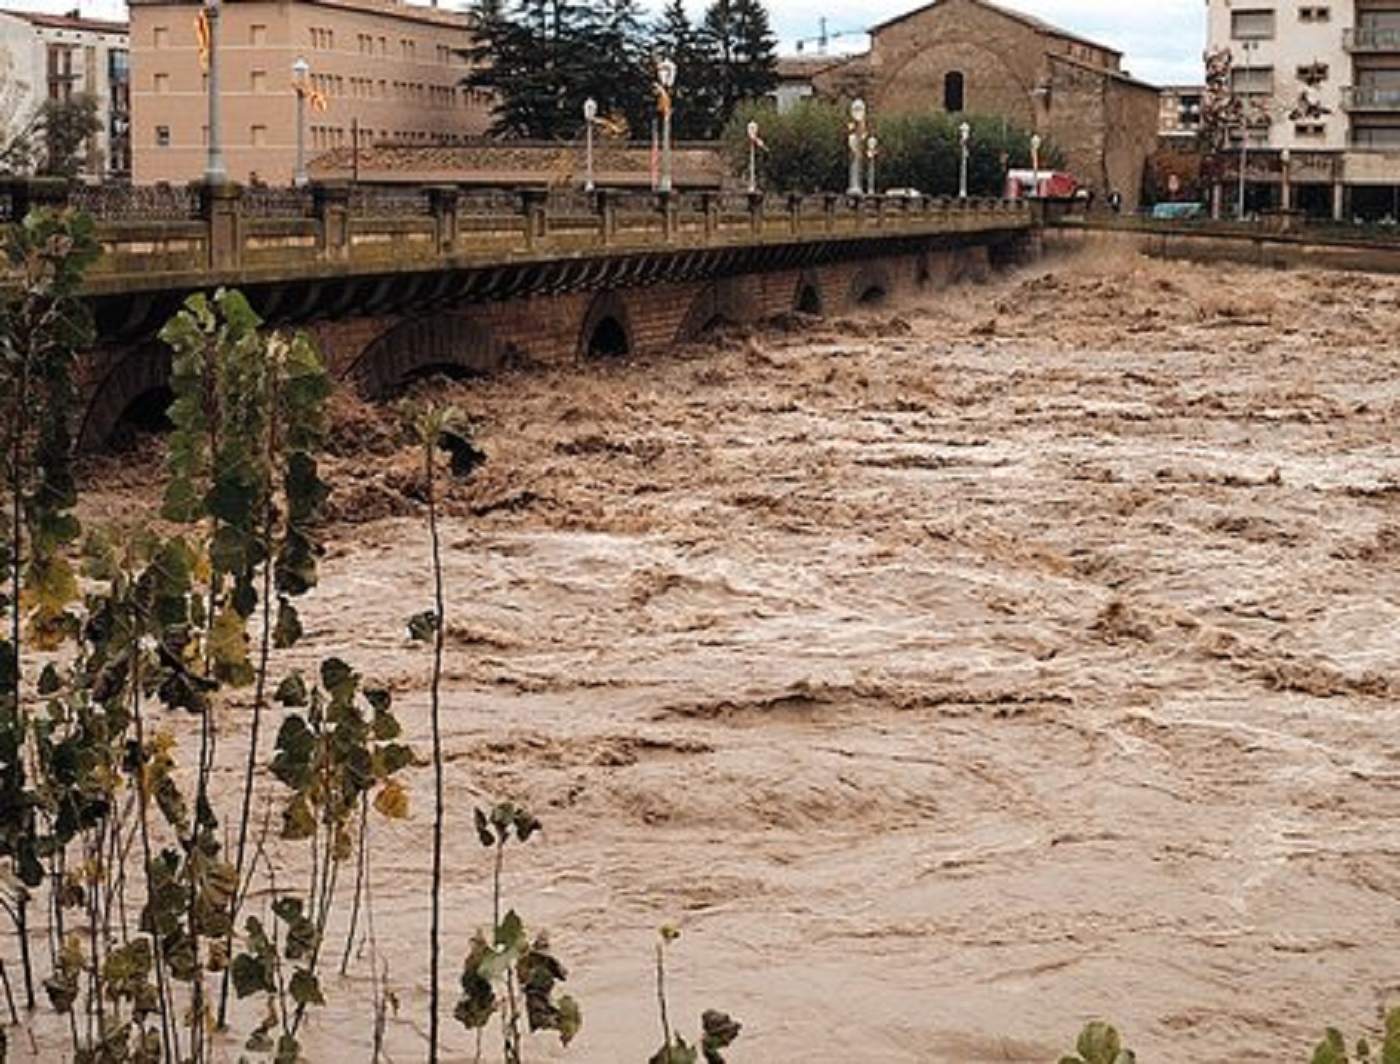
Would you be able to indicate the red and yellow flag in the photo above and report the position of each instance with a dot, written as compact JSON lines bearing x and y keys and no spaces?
{"x":202,"y":38}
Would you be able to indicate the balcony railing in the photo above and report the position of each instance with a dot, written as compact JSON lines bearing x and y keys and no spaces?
{"x":1370,"y":98}
{"x":1372,"y":39}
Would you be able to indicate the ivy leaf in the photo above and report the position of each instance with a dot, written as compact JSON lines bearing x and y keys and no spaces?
{"x":392,"y":801}
{"x":288,"y":1050}
{"x":288,"y":629}
{"x":483,"y":829}
{"x":252,"y":975}
{"x":298,"y":821}
{"x":228,"y":648}
{"x":477,"y":1004}
{"x":339,"y":680}
{"x":1332,"y":1049}
{"x":719,"y":1030}
{"x":306,"y":988}
{"x":675,"y":1053}
{"x":292,"y":692}
{"x":569,"y":1020}
{"x":526,"y":824}
{"x":296,"y":748}
{"x":422,"y":626}
{"x":49,"y":681}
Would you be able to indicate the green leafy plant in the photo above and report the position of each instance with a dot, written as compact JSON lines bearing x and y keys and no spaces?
{"x":341,"y":748}
{"x":508,"y":972}
{"x":439,"y":429}
{"x":1333,"y":1047}
{"x":249,"y":419}
{"x":43,"y":326}
{"x":718,"y":1030}
{"x":1099,"y":1043}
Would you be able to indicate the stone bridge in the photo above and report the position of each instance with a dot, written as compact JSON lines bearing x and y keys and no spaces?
{"x":394,"y":284}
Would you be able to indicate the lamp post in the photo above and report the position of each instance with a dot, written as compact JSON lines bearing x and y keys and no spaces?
{"x":590,"y":115}
{"x":872,"y":148}
{"x":1246,"y":47}
{"x":964,"y":131}
{"x":753,"y":156}
{"x":1035,"y":164}
{"x":301,"y":70}
{"x":856,"y":143}
{"x":666,"y":74}
{"x":214,"y":172}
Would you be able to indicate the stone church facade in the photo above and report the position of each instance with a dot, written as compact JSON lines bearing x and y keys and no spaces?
{"x":972,"y":56}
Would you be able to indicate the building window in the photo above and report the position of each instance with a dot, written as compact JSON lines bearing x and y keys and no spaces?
{"x":1252,"y":81}
{"x":1254,"y":25}
{"x":1314,"y":14}
{"x":162,"y":136}
{"x":1387,"y":137}
{"x":1313,"y":74}
{"x":161,"y":83}
{"x":953,"y":85}
{"x":257,"y":35}
{"x":257,"y":136}
{"x":160,"y":37}
{"x":257,"y":80}
{"x":61,"y":76}
{"x":1309,"y":129}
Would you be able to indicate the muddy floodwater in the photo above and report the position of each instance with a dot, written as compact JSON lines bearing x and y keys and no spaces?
{"x":951,"y":675}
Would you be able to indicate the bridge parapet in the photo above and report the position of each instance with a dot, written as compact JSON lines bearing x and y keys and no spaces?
{"x":158,"y":238}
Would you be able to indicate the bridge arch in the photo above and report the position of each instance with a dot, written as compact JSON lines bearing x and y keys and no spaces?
{"x":453,"y":343}
{"x":607,"y":328}
{"x":871,"y":285}
{"x":808,"y":298}
{"x":134,"y":393}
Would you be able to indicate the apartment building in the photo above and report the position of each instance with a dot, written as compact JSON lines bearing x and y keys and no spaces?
{"x":1179,"y":121}
{"x":1319,"y":89}
{"x":380,"y":72}
{"x":55,"y":57}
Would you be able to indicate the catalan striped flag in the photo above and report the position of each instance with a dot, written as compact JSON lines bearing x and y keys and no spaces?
{"x":203,"y":38}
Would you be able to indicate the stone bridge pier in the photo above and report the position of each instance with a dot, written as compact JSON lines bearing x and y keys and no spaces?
{"x":378,"y":334}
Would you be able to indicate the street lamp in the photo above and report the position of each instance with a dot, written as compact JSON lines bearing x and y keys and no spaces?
{"x":590,"y":115}
{"x":214,"y":172}
{"x":666,"y":74}
{"x":1035,"y":164}
{"x":964,"y":131}
{"x":1246,"y":47}
{"x":753,"y":156}
{"x":856,"y":143}
{"x":301,"y":71}
{"x":872,"y":148}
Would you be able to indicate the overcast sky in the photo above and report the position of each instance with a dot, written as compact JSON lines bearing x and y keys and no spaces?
{"x":1161,"y":41}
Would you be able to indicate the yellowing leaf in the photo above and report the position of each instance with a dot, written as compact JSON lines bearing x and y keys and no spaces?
{"x":392,"y":801}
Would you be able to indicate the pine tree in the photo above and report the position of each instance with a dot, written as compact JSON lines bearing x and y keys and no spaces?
{"x":532,"y":57}
{"x":755,"y":51}
{"x":674,"y":36}
{"x":616,"y":71}
{"x":738,"y":42}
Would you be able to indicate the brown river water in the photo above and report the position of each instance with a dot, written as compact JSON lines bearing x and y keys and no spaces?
{"x":951,"y":675}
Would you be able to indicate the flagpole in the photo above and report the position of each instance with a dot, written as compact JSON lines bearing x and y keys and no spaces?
{"x":214,"y":172}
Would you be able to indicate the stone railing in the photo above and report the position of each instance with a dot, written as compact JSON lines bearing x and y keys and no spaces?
{"x":154,"y":237}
